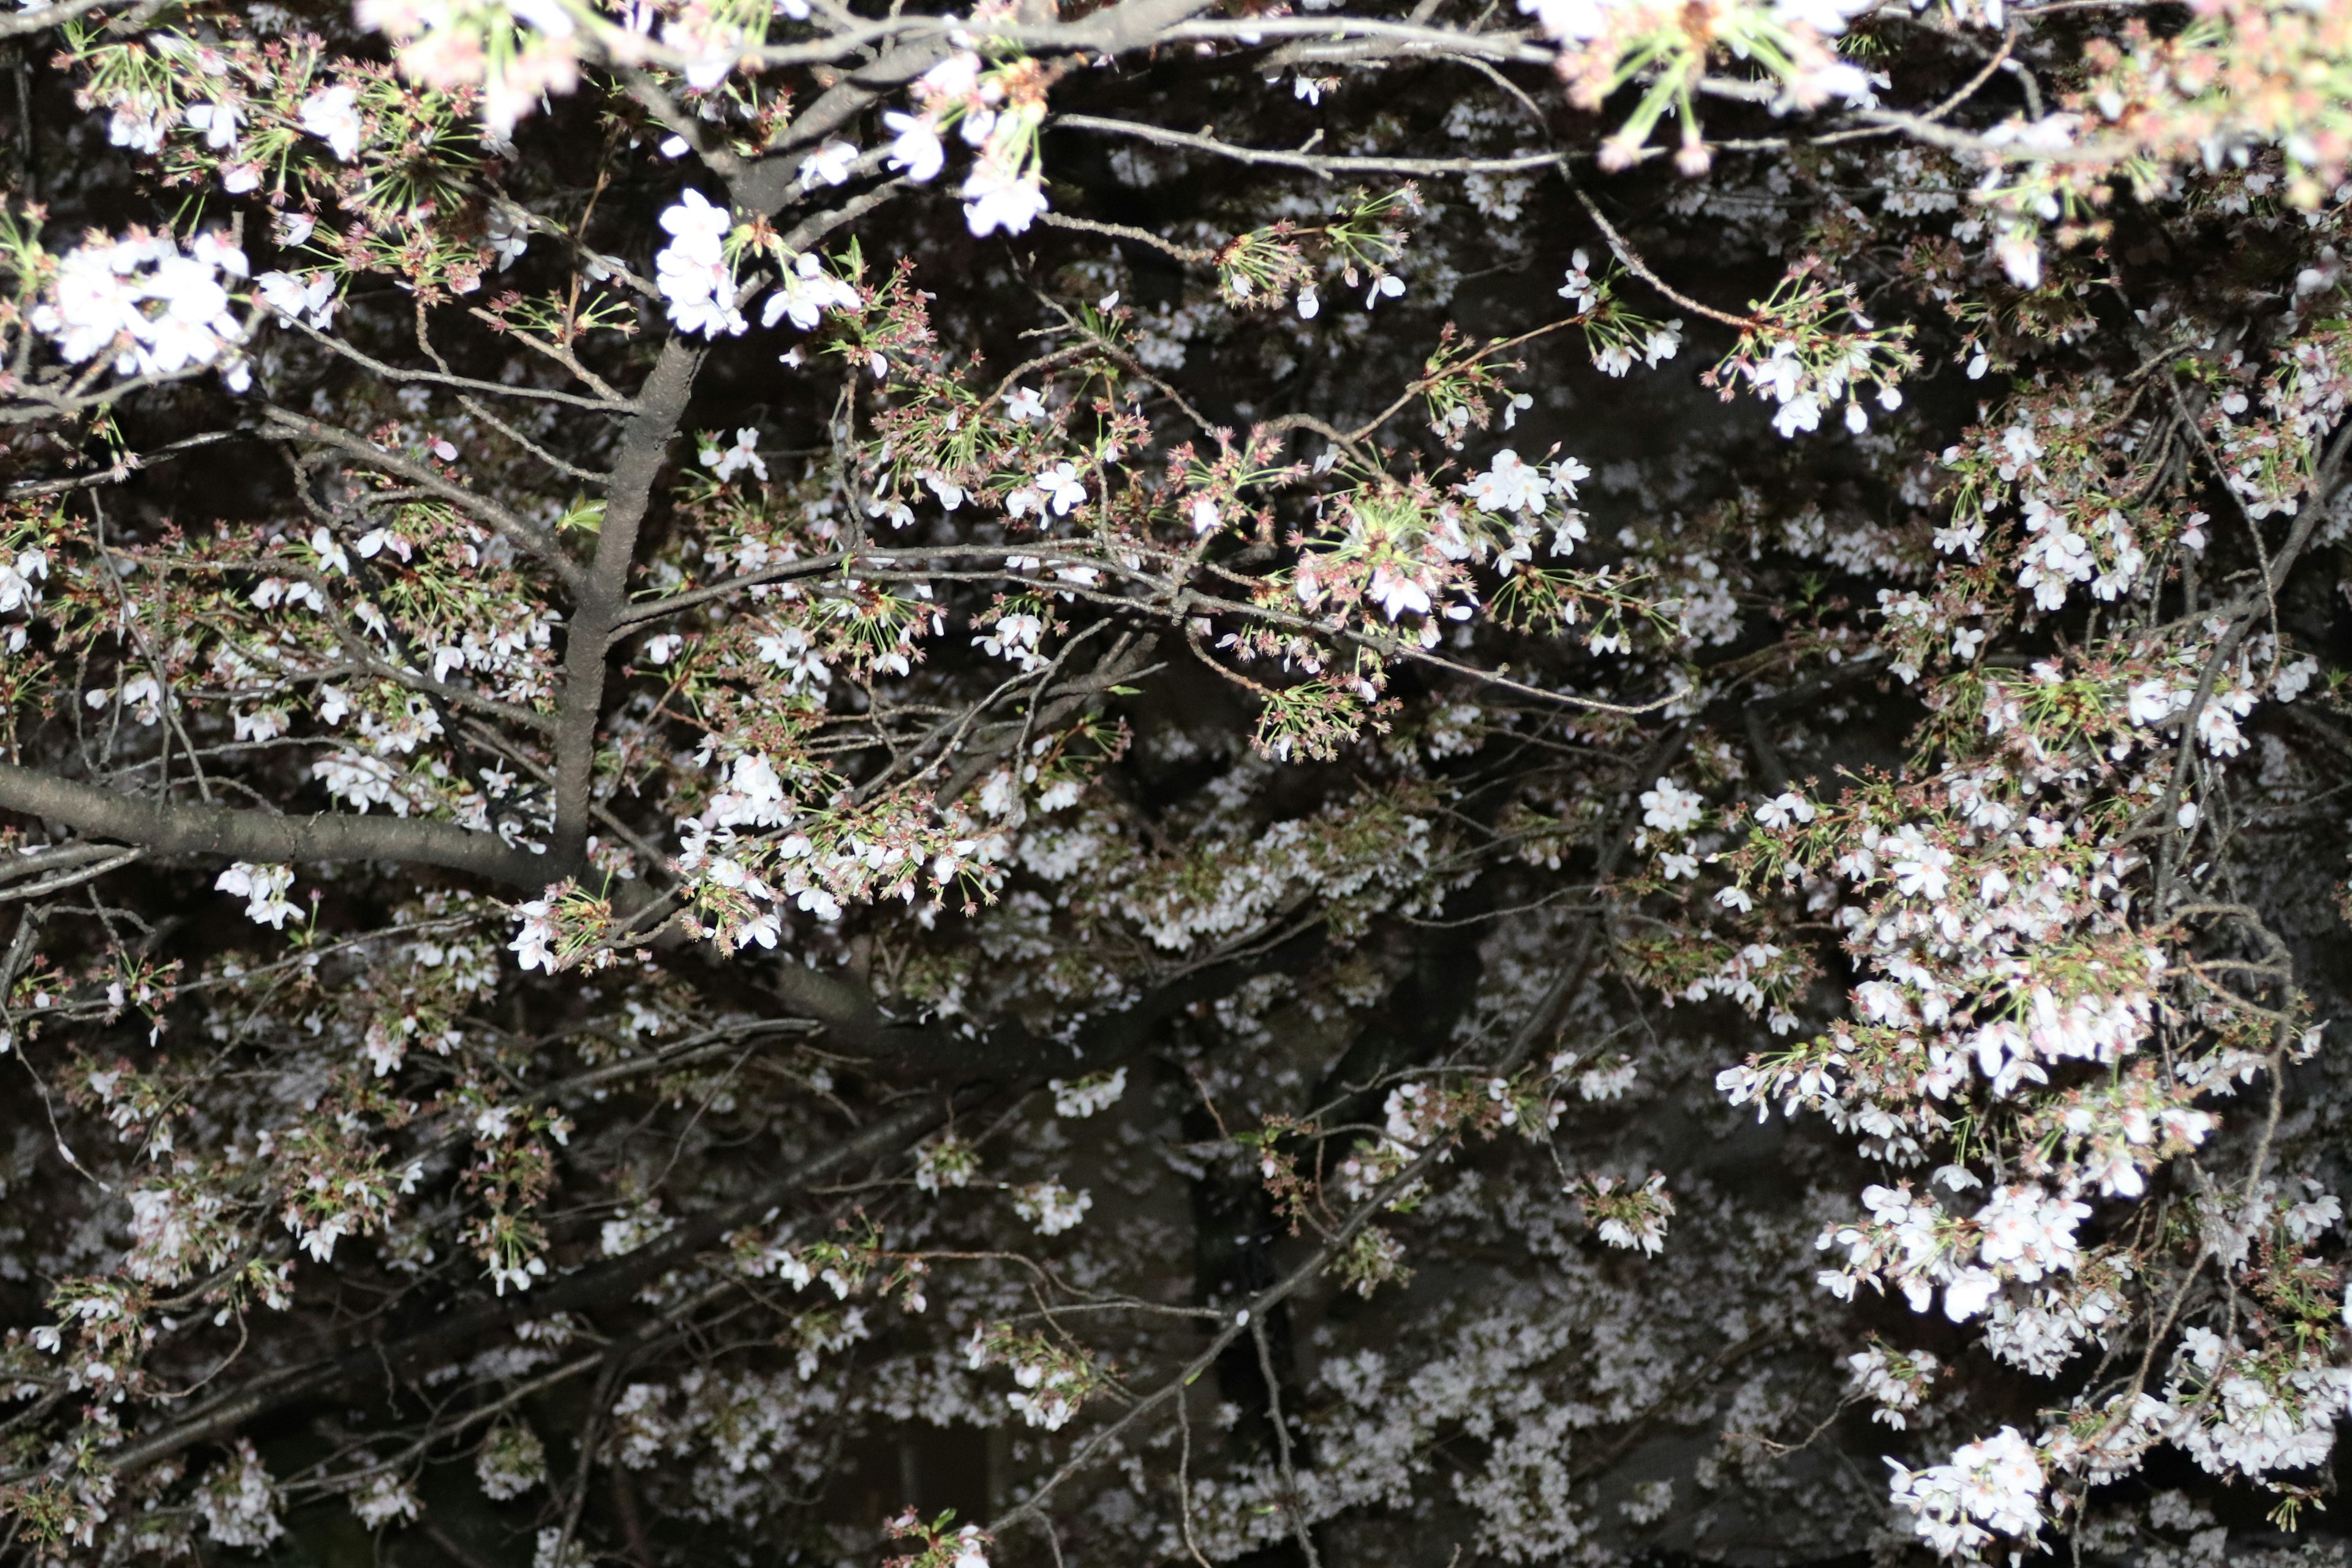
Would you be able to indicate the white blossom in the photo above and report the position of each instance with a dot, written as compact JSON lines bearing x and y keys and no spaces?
{"x":1050,"y":1206}
{"x":995,"y":197}
{"x":1086,"y":1095}
{"x":725,"y":463}
{"x":309,"y":297}
{"x":239,"y":1501}
{"x":914,"y":145}
{"x":1509,"y":485}
{"x":830,"y":164}
{"x":692,"y":270}
{"x":534,"y":944}
{"x":159,"y":310}
{"x":384,"y":1500}
{"x":264,"y":888}
{"x":1671,"y":809}
{"x":1991,"y":1486}
{"x":806,"y":292}
{"x":332,"y":115}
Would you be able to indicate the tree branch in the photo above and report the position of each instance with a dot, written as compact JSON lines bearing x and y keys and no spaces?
{"x":166,"y":827}
{"x":604,"y":596}
{"x":1327,"y":166}
{"x":542,"y":544}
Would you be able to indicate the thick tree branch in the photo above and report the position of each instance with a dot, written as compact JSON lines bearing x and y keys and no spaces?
{"x":604,"y":595}
{"x":1132,"y":25}
{"x":166,"y":827}
{"x":33,"y":20}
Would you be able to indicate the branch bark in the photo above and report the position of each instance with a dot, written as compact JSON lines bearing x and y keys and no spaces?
{"x":604,"y":595}
{"x":167,"y":827}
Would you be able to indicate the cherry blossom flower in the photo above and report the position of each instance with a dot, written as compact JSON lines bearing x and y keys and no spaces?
{"x":914,"y":145}
{"x":830,"y":164}
{"x":692,"y":270}
{"x":534,"y":944}
{"x":1993,"y":1485}
{"x":1051,"y":1207}
{"x":218,"y":121}
{"x":1671,"y":809}
{"x":1509,"y":485}
{"x":310,"y":299}
{"x":1015,"y":638}
{"x":264,"y":888}
{"x":511,"y":1460}
{"x":1580,"y":291}
{"x":727,"y":462}
{"x":1085,"y":1096}
{"x":806,"y":292}
{"x":159,"y":310}
{"x":386,"y":1499}
{"x":332,"y":115}
{"x":1895,"y":1383}
{"x":139,"y":125}
{"x":1399,"y":592}
{"x":1061,"y":488}
{"x":1784,"y":809}
{"x":239,"y":1501}
{"x":996,"y":198}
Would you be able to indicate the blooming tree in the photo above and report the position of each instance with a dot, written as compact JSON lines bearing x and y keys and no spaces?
{"x":1160,"y":782}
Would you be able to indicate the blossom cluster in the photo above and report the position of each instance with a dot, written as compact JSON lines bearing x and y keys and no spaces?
{"x":157,"y":308}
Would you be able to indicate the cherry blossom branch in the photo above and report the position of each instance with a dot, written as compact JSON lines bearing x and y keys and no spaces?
{"x":1122,"y":30}
{"x":557,"y":351}
{"x":601,"y":606}
{"x":1011,"y":1052}
{"x":2163,"y":818}
{"x":41,"y":16}
{"x":541,"y":543}
{"x":1631,"y":261}
{"x":374,"y":366}
{"x":1192,"y":602}
{"x":564,"y":466}
{"x":619,"y":1278}
{"x":100,"y":859}
{"x":981,"y":749}
{"x":1421,"y":384}
{"x":769,"y":184}
{"x":31,"y":401}
{"x":164,"y":827}
{"x":123,"y":466}
{"x":602,"y":594}
{"x":1293,"y":1500}
{"x":361,"y":657}
{"x":1405,"y":40}
{"x":1191,"y":253}
{"x":1327,"y":166}
{"x":719,"y":159}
